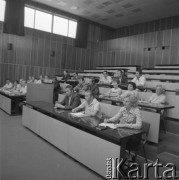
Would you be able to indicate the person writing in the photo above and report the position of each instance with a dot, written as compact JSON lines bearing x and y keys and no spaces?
{"x":90,"y":105}
{"x":128,"y":116}
{"x":71,"y":100}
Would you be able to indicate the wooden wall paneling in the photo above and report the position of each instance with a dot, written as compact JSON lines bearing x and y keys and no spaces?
{"x":118,"y":57}
{"x":41,"y":52}
{"x":34,"y":51}
{"x":63,"y":61}
{"x":82,"y":58}
{"x":140,"y":50}
{"x":174,"y":54}
{"x":123,"y":58}
{"x":113,"y":58}
{"x":58,"y":55}
{"x":167,"y":37}
{"x":47,"y":53}
{"x":52,"y":58}
{"x":175,"y":36}
{"x":27,"y":49}
{"x":160,"y":38}
{"x":166,"y":55}
{"x":151,"y":58}
{"x":4,"y":48}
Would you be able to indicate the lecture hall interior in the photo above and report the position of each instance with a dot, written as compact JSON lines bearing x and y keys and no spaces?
{"x":89,"y":89}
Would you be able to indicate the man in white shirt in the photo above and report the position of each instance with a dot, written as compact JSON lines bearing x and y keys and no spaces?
{"x":23,"y":89}
{"x":105,"y":78}
{"x":91,"y":105}
{"x":139,"y":80}
{"x":8,"y":85}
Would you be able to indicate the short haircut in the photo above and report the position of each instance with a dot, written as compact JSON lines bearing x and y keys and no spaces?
{"x":105,"y":72}
{"x":133,"y":84}
{"x":81,"y":77}
{"x":16,"y":81}
{"x":66,"y":71}
{"x":69,"y":87}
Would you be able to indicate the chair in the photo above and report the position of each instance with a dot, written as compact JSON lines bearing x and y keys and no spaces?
{"x":143,"y":140}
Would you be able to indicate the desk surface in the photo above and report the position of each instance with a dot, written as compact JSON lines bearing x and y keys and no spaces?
{"x":142,"y":104}
{"x":12,"y":96}
{"x":87,"y":124}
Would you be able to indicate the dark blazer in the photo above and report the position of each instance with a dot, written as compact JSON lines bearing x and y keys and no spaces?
{"x":66,"y":78}
{"x":123,"y":80}
{"x":56,"y":91}
{"x":74,"y":102}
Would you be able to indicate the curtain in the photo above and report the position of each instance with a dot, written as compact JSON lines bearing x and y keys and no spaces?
{"x":14,"y":17}
{"x":82,"y":34}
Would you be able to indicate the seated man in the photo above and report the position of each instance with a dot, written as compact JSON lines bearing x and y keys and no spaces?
{"x":8,"y":85}
{"x":71,"y":100}
{"x":41,"y":79}
{"x":65,"y":75}
{"x":139,"y":80}
{"x":131,"y":91}
{"x":90,"y":105}
{"x":23,"y":89}
{"x":75,"y":76}
{"x":120,"y":78}
{"x":105,"y":78}
{"x":113,"y":92}
{"x":82,"y":86}
{"x":159,"y":97}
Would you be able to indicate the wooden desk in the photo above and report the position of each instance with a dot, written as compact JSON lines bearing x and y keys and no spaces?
{"x":78,"y":137}
{"x":9,"y":102}
{"x":71,"y":82}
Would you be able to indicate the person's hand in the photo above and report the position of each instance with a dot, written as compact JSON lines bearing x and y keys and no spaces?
{"x":74,"y":110}
{"x":106,"y":120}
{"x":118,"y":125}
{"x":59,"y":106}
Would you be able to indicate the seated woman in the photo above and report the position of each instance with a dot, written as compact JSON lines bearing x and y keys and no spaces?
{"x":8,"y":85}
{"x":71,"y":100}
{"x":128,"y":116}
{"x":159,"y":97}
{"x":131,"y":91}
{"x":113,"y":92}
{"x":16,"y":86}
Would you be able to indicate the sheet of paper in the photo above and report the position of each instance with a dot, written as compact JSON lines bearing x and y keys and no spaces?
{"x":79,"y":114}
{"x":110,"y":125}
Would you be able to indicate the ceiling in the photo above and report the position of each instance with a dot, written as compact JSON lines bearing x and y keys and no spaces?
{"x":117,"y":13}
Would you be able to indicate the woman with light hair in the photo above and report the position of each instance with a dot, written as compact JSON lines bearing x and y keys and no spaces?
{"x":129,"y":115}
{"x":159,"y":97}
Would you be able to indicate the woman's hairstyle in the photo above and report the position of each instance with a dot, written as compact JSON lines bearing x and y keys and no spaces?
{"x":133,"y":84}
{"x":139,"y":70}
{"x":162,"y":89}
{"x":133,"y":100}
{"x":69,"y":87}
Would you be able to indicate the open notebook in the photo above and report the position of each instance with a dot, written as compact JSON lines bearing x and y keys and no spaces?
{"x":110,"y":125}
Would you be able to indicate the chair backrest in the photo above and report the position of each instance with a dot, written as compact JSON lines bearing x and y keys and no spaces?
{"x":145,"y":129}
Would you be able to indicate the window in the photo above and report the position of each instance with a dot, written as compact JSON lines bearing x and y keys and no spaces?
{"x":2,"y":10}
{"x":43,"y":21}
{"x":29,"y":17}
{"x":72,"y":29}
{"x":60,"y":26}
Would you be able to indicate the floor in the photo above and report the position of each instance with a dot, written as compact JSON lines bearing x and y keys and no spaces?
{"x":25,"y":156}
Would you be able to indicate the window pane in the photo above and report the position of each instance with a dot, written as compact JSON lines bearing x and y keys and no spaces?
{"x":2,"y":10}
{"x":60,"y":26}
{"x":29,"y":17}
{"x":72,"y":29}
{"x":43,"y":21}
